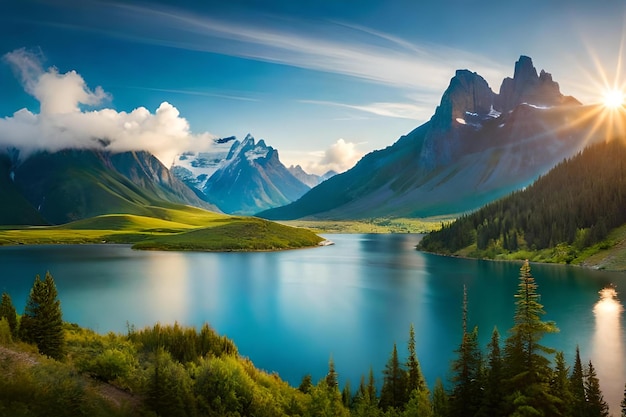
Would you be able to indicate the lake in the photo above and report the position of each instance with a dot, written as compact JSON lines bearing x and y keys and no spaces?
{"x":290,"y":311}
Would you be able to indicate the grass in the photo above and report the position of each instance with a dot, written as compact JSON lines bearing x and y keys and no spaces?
{"x":377,"y":225}
{"x":171,"y":228}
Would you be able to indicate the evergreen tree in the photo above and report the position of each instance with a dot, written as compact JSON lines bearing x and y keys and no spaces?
{"x":415,"y":379}
{"x":577,"y":387}
{"x":596,"y":406}
{"x":331,"y":377}
{"x":42,"y":321}
{"x":365,"y":402}
{"x":7,"y":311}
{"x":493,"y":394}
{"x":306,"y":384}
{"x":467,"y":369}
{"x":371,"y":388}
{"x":560,"y":386}
{"x":393,"y":392}
{"x":440,"y":400}
{"x":527,"y":369}
{"x":346,"y":395}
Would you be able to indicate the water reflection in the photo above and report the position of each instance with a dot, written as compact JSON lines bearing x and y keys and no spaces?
{"x":608,"y":349}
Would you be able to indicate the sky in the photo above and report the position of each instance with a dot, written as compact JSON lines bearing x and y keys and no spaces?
{"x":323,"y":81}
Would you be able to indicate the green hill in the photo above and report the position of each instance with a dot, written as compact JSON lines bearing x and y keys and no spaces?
{"x":174,"y":228}
{"x":566,"y":216}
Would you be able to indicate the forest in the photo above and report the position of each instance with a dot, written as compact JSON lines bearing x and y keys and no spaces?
{"x":52,"y":368}
{"x":570,"y":209}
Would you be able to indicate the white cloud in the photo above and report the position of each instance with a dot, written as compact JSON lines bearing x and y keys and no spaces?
{"x":339,"y":157}
{"x":396,"y":110}
{"x":62,"y":124}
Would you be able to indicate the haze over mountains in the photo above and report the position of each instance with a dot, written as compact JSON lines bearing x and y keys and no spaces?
{"x":478,"y":146}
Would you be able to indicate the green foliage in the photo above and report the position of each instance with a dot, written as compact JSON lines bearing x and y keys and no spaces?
{"x":588,"y":187}
{"x":49,"y":389}
{"x":42,"y":322}
{"x":170,"y":388}
{"x":6,"y":337}
{"x":7,"y":311}
{"x":185,"y":344}
{"x":560,"y":387}
{"x":526,"y":366}
{"x":394,"y":391}
{"x":440,"y":400}
{"x":596,"y":406}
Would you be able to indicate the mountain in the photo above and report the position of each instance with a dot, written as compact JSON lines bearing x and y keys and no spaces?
{"x":194,"y":169}
{"x":570,"y":209}
{"x":251,"y":179}
{"x":55,"y":188}
{"x":309,"y":179}
{"x":241,"y":177}
{"x":478,"y":146}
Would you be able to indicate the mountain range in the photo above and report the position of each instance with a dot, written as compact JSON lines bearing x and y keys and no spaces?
{"x":59,"y":187}
{"x":477,"y":147}
{"x":243,"y":177}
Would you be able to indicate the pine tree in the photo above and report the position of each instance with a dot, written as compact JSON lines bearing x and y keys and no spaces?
{"x":416,"y":379}
{"x":623,"y":403}
{"x":596,"y":406}
{"x":440,"y":400}
{"x":527,"y":369}
{"x":393,"y":392}
{"x":493,"y":394}
{"x":7,"y":311}
{"x":577,"y":387}
{"x":466,"y":395}
{"x":346,"y":395}
{"x":306,"y":384}
{"x":560,"y":386}
{"x":42,"y":321}
{"x":331,"y":377}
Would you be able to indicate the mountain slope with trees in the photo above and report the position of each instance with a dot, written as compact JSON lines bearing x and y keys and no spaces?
{"x":564,"y":213}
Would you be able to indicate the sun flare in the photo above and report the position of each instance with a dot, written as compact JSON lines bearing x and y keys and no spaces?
{"x":613,"y":99}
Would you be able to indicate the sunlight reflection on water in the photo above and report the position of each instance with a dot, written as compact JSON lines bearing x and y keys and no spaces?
{"x":608,"y":350}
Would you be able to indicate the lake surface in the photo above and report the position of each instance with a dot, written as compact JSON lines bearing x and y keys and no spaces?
{"x":290,"y":311}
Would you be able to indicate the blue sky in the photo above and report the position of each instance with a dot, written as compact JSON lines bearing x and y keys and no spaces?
{"x":322,"y":81}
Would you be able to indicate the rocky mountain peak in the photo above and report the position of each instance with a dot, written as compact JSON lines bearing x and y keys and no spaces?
{"x":468,"y":92}
{"x":528,"y":87}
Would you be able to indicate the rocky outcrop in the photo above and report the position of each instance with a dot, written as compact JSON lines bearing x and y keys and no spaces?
{"x":528,"y":87}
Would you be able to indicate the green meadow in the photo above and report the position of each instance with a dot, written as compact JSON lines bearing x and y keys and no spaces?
{"x":173,"y":228}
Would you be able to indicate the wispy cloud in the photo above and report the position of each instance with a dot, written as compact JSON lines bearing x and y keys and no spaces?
{"x":199,"y":93}
{"x":397,"y":110}
{"x":332,"y":47}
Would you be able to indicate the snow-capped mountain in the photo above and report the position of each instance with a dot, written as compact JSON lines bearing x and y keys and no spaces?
{"x":240,"y":177}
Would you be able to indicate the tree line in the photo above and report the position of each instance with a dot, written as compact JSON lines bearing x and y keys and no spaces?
{"x":576,"y":204}
{"x":175,"y":370}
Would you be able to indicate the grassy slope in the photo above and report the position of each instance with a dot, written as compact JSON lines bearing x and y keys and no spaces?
{"x":377,"y":225}
{"x":171,"y":228}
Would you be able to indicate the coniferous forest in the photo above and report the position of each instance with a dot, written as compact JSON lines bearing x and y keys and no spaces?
{"x":49,"y":367}
{"x":590,"y":187}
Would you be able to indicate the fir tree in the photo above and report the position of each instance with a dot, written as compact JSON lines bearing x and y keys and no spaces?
{"x":577,"y":387}
{"x":494,"y":394}
{"x":415,"y":379}
{"x":331,"y":377}
{"x":440,"y":400}
{"x":7,"y":311}
{"x":596,"y":406}
{"x":42,"y":321}
{"x":393,"y":392}
{"x":560,"y":386}
{"x":466,"y":394}
{"x":527,"y":368}
{"x":346,"y":395}
{"x":306,"y":384}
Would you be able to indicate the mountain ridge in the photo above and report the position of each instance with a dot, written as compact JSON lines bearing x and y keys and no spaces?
{"x":462,"y":157}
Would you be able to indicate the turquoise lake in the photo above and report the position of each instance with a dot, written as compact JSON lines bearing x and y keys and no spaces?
{"x":291,"y":311}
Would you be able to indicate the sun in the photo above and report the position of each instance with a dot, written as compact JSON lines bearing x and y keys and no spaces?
{"x":613,"y":99}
